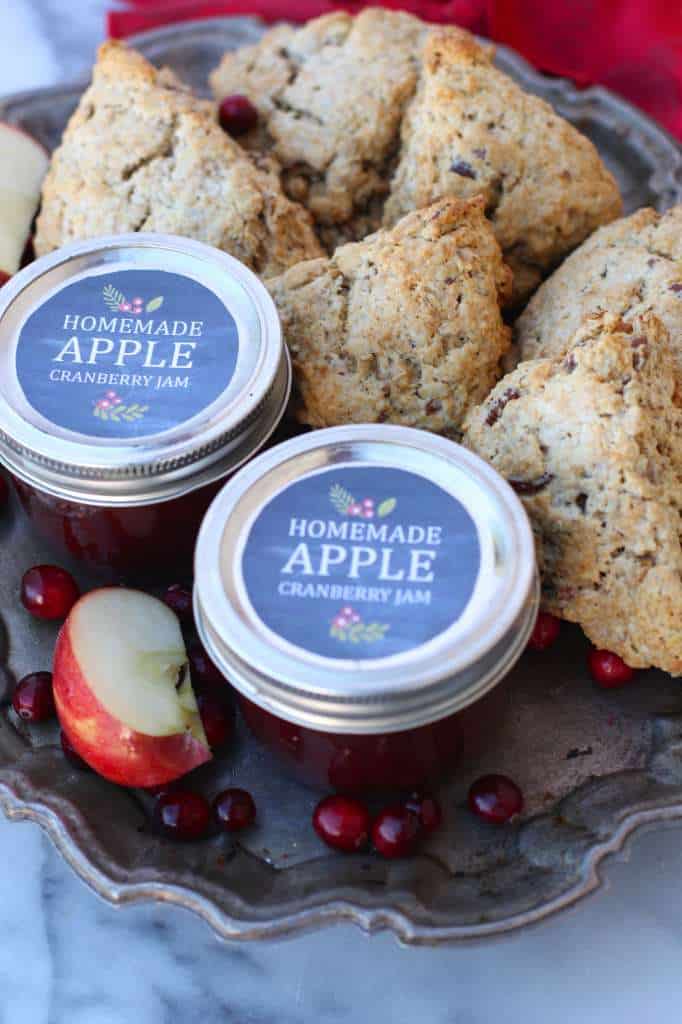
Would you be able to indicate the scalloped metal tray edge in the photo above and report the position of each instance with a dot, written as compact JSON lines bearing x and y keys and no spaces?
{"x":598,"y":816}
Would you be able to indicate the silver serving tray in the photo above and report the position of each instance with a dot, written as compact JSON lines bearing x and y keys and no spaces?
{"x":594,"y":766}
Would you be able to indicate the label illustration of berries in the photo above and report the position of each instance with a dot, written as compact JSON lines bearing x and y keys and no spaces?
{"x":348,"y":627}
{"x":118,"y":303}
{"x":111,"y":407}
{"x":346,"y":505}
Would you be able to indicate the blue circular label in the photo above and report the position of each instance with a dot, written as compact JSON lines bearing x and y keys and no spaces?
{"x":361,"y":562}
{"x":128,"y":354}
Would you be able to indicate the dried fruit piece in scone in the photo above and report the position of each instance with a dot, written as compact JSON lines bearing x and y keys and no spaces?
{"x":141,"y":153}
{"x":593,"y":446}
{"x":404,"y":327}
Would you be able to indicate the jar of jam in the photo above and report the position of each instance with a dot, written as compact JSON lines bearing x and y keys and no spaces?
{"x":364,"y":589}
{"x":136,"y":373}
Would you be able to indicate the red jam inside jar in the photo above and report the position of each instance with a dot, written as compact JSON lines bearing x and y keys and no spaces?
{"x":365,"y":589}
{"x":138,"y":373}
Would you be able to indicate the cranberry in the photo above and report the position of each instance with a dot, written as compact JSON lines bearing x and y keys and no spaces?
{"x":72,"y":755}
{"x":179,"y":600}
{"x":428,"y":812}
{"x":49,"y":592}
{"x":342,"y":823}
{"x":545,"y":633}
{"x":395,"y":831}
{"x":608,"y":670}
{"x":182,"y":814}
{"x":237,"y":115}
{"x":204,"y":672}
{"x":4,"y":277}
{"x":217,"y":718}
{"x":33,"y":699}
{"x":234,"y":809}
{"x":495,"y":799}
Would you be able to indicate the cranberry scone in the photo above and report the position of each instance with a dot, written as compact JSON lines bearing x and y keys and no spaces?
{"x":404,"y":327}
{"x":374,"y":116}
{"x":142,"y":153}
{"x":331,"y":96}
{"x":591,"y":443}
{"x":626,"y":268}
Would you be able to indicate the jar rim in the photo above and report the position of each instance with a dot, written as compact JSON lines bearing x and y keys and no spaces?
{"x":179,"y":456}
{"x":422,"y":684}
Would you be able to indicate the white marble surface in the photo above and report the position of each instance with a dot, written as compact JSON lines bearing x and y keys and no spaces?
{"x":67,"y":958}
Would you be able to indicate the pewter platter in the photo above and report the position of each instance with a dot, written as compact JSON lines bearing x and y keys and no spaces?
{"x":594,"y":766}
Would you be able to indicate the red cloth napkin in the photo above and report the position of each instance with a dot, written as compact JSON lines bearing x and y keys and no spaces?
{"x":632,"y":46}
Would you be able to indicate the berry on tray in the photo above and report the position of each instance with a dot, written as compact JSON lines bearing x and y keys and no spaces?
{"x":495,"y":799}
{"x":545,"y":633}
{"x":234,"y":809}
{"x":237,"y":115}
{"x":217,"y":717}
{"x":123,"y":690}
{"x":608,"y":670}
{"x":32,"y":699}
{"x":428,"y":811}
{"x":342,"y":823}
{"x":395,"y":831}
{"x":179,"y":599}
{"x":48,"y":592}
{"x":182,"y":814}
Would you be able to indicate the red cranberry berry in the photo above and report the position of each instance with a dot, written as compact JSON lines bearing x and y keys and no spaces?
{"x":237,"y":115}
{"x":428,"y":811}
{"x":181,"y":814}
{"x":179,"y":600}
{"x":49,"y":592}
{"x":204,"y":672}
{"x":342,"y":823}
{"x":217,"y":718}
{"x":545,"y":633}
{"x":395,"y":831}
{"x":495,"y":799}
{"x":71,"y":755}
{"x":234,"y":809}
{"x":33,"y":699}
{"x":608,"y":670}
{"x":4,"y":277}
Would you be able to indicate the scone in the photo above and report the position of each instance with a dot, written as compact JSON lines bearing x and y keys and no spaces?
{"x":404,"y":327}
{"x":331,"y":96}
{"x":141,"y":153}
{"x":625,"y":268}
{"x":592,"y":443}
{"x":470,"y":129}
{"x":374,"y":116}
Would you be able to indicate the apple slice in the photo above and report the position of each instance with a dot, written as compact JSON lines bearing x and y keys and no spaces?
{"x":23,"y":165}
{"x":123,"y":691}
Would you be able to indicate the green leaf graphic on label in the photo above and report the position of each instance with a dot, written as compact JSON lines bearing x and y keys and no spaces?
{"x":386,"y":507}
{"x":154,"y":304}
{"x":112,"y":297}
{"x":341,"y":499}
{"x":360,"y":632}
{"x":116,"y":413}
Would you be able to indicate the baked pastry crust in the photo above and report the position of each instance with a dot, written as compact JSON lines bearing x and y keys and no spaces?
{"x":625,"y":268}
{"x":404,"y":327}
{"x":592,"y":444}
{"x":386,"y":111}
{"x":331,"y":96}
{"x":141,"y":153}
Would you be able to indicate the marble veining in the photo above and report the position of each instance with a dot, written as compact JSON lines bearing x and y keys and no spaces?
{"x":67,"y":958}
